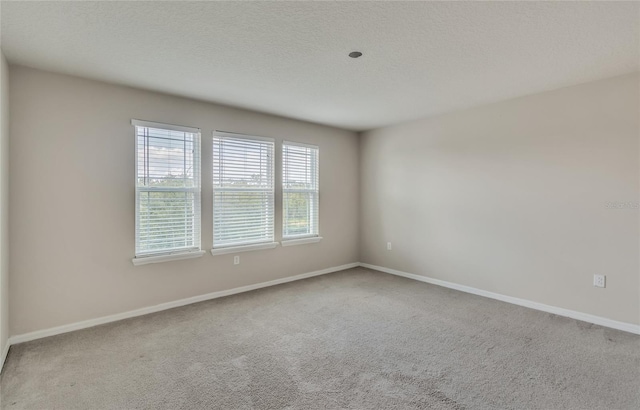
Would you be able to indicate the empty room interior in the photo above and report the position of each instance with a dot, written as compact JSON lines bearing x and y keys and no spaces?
{"x":319,"y":205}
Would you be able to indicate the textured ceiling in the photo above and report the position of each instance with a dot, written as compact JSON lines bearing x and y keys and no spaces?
{"x":420,"y":58}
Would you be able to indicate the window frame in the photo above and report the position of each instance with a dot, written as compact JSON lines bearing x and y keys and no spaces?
{"x":194,"y":251}
{"x":313,"y":237}
{"x":243,"y":246}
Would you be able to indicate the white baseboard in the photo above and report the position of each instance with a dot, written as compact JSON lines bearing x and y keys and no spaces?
{"x":4,"y":353}
{"x":26,"y":337}
{"x":585,"y":317}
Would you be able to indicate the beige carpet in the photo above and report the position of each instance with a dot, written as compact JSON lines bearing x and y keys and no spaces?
{"x":356,"y":339}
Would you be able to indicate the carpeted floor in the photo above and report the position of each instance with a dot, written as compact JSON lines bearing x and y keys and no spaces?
{"x":356,"y":339}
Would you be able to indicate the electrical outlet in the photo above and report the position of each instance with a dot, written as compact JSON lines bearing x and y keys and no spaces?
{"x":236,"y":260}
{"x":599,"y":281}
{"x":388,"y":246}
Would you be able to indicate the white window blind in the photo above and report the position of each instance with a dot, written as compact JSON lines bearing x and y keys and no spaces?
{"x":300,"y":190}
{"x":243,"y":190}
{"x":167,"y":189}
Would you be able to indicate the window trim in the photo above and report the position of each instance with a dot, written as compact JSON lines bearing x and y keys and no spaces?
{"x":177,"y":253}
{"x":244,"y":247}
{"x":301,"y":144}
{"x":162,"y":126}
{"x":229,"y":134}
{"x":302,"y":239}
{"x":167,"y":257}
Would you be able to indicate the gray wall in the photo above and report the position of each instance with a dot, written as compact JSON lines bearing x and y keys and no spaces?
{"x":72,"y":198}
{"x":4,"y":204}
{"x":512,"y":197}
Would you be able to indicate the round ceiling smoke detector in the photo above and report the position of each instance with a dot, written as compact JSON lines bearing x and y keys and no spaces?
{"x":355,"y":54}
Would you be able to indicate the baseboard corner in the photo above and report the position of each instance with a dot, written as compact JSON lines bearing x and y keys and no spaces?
{"x":585,"y":317}
{"x":39,"y":334}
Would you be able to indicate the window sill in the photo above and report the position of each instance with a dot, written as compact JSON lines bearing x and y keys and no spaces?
{"x":166,"y":258}
{"x":243,"y":248}
{"x":302,"y":241}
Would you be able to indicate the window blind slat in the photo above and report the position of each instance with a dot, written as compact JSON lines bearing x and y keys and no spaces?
{"x":243,"y":190}
{"x":300,"y":190}
{"x":167,"y":190}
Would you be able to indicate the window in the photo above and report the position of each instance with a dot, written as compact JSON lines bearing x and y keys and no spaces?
{"x":299,"y":191}
{"x":167,"y":189}
{"x":243,"y":191}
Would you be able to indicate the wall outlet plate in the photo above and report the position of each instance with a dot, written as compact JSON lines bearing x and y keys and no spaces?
{"x":236,"y":260}
{"x":599,"y":281}
{"x":388,"y":246}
